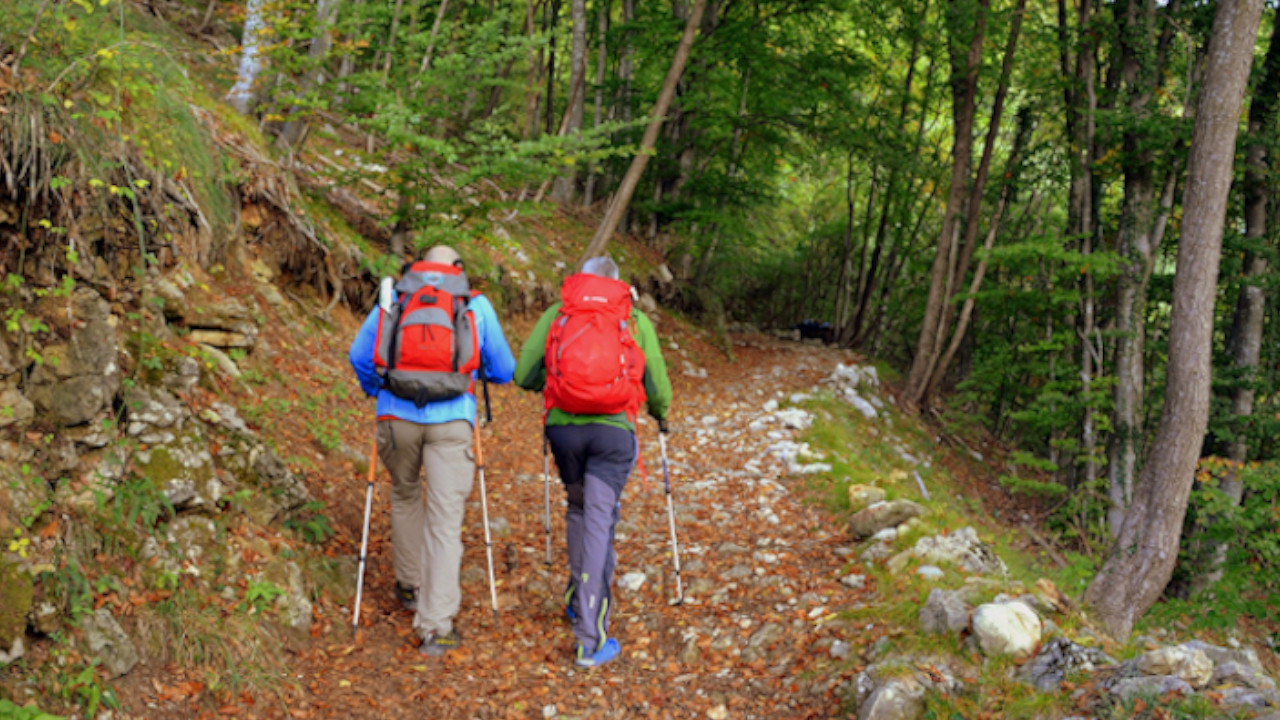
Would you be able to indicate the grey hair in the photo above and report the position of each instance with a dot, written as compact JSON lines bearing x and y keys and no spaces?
{"x":602,"y":266}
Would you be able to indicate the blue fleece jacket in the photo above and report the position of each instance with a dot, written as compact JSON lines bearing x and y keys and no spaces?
{"x":496,"y":362}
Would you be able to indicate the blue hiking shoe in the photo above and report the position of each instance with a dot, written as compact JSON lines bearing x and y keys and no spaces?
{"x":608,"y":651}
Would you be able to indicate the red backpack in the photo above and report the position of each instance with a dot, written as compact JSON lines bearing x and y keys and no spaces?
{"x":594,"y":366}
{"x":426,"y":346}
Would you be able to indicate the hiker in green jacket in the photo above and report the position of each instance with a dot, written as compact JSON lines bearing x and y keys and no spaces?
{"x":598,"y":362}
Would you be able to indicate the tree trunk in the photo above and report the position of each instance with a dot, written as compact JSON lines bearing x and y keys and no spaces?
{"x":240,"y":96}
{"x":566,"y":185}
{"x":532,"y":85}
{"x":294,"y":129}
{"x":962,"y":325}
{"x":960,"y":268}
{"x":1244,"y":345}
{"x":622,"y":198}
{"x":602,"y":56}
{"x":1137,"y":220}
{"x":549,"y":27}
{"x":855,"y":336}
{"x":843,"y":287}
{"x":431,"y":39}
{"x":1142,"y":560}
{"x":964,"y":90}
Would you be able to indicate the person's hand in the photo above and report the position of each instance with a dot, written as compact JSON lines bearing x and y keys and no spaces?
{"x":662,"y":426}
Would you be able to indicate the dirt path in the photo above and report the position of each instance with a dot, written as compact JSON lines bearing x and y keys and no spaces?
{"x":760,"y":574}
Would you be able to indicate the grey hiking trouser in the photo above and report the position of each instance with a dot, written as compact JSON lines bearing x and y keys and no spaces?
{"x":594,"y":462}
{"x":427,"y":538}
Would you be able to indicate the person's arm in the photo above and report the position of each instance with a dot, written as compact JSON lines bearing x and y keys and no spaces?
{"x":496,"y":360}
{"x":361,"y":355}
{"x":657,"y":385}
{"x":531,"y":373}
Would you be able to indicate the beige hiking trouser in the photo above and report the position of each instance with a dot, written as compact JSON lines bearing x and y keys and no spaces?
{"x":427,"y":540}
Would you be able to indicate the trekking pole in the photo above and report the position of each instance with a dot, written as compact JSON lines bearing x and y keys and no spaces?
{"x":484,"y":510}
{"x":488,"y":411}
{"x":364,"y":537}
{"x":546,"y":497}
{"x":671,"y":513}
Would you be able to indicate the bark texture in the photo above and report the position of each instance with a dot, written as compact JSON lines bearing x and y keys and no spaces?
{"x":1143,"y":557}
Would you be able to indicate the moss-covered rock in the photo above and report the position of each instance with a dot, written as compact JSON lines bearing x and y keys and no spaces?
{"x":17,"y":592}
{"x":276,"y":491}
{"x":183,"y":470}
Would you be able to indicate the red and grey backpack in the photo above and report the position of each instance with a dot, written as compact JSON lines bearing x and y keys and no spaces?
{"x":427,"y":347}
{"x":594,"y":366}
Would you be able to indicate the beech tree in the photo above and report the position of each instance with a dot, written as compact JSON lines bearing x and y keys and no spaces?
{"x":1142,"y":560}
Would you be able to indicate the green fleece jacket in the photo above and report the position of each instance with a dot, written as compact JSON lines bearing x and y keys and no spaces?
{"x":531,"y":372}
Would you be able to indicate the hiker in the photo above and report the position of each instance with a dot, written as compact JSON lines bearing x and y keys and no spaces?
{"x":423,"y":370}
{"x":599,"y":361}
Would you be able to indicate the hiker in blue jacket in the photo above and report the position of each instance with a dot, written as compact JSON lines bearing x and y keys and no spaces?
{"x":435,"y":437}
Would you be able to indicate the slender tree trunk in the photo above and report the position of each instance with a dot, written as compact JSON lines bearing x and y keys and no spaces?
{"x":844,"y":291}
{"x":602,"y":56}
{"x":1134,"y":244}
{"x":566,"y":185}
{"x":962,"y":325}
{"x":960,"y":267}
{"x":1142,"y":560}
{"x":295,"y":129}
{"x":533,"y":82}
{"x":1244,"y":344}
{"x":391,"y":40}
{"x":622,"y":198}
{"x":854,"y":336}
{"x":967,"y":21}
{"x":240,"y":96}
{"x":549,"y":27}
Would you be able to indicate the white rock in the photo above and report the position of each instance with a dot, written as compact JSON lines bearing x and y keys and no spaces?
{"x":549,"y":711}
{"x":719,"y":712}
{"x":1009,"y":628}
{"x":930,"y":572}
{"x":857,"y":582}
{"x":632,"y":581}
{"x":888,"y":534}
{"x":770,"y":405}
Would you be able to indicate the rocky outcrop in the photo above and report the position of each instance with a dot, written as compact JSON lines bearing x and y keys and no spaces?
{"x":1059,"y":658}
{"x":945,"y":612}
{"x":895,"y":689}
{"x":221,"y":323}
{"x":109,"y":643}
{"x":873,"y":519}
{"x":16,"y":596}
{"x":961,"y":549}
{"x":1189,"y":664}
{"x":78,"y":379}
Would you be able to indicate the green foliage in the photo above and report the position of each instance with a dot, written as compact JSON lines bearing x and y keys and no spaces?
{"x":10,"y":711}
{"x":311,"y":523}
{"x":258,"y":596}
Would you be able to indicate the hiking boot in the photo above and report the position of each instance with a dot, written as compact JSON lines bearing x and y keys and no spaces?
{"x":407,"y":595}
{"x":609,"y":650}
{"x":437,"y":645}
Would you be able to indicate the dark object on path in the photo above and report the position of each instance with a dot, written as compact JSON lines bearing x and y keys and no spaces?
{"x":821,"y":330}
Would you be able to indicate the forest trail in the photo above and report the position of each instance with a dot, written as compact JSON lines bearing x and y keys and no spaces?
{"x":760,"y":572}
